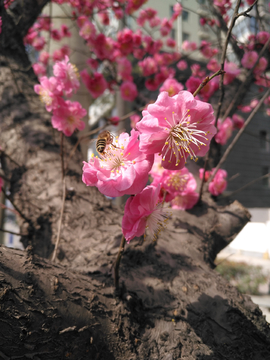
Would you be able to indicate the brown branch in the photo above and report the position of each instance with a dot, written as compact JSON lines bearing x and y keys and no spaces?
{"x":206,"y":81}
{"x":15,"y":207}
{"x":11,"y":232}
{"x":9,"y":157}
{"x":240,"y":132}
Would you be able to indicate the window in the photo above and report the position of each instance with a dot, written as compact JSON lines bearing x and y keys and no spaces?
{"x":185,"y":36}
{"x":185,"y":15}
{"x":173,"y":34}
{"x":202,"y":2}
{"x":263,"y":140}
{"x":266,"y":180}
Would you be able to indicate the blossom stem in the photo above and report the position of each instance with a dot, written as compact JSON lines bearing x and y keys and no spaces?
{"x":62,"y":155}
{"x":117,"y":262}
{"x":206,"y":81}
{"x":60,"y":221}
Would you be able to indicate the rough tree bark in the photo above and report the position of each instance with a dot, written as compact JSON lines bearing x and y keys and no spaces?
{"x":171,"y":303}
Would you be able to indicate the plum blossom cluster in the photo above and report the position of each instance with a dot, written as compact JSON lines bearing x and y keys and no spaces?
{"x":218,"y":184}
{"x":66,"y":114}
{"x":172,"y":129}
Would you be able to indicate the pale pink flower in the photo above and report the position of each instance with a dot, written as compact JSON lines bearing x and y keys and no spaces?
{"x":213,"y":65}
{"x":124,"y":68}
{"x":254,"y":103}
{"x":95,"y":84}
{"x":49,"y":92}
{"x":177,"y":11}
{"x":182,"y":65}
{"x":206,"y":175}
{"x":148,"y":66}
{"x":67,"y":117}
{"x":142,"y":212}
{"x":238,"y":121}
{"x":244,"y":108}
{"x":185,"y":201}
{"x":232,"y":71}
{"x":88,"y":31}
{"x":261,"y":66}
{"x":154,"y":22}
{"x":172,"y":86}
{"x":157,"y":169}
{"x":39,"y":69}
{"x":128,"y":90}
{"x":166,"y":27}
{"x":225,"y":130}
{"x":122,"y":170}
{"x":68,"y":76}
{"x":134,"y":119}
{"x":249,"y":59}
{"x":176,"y":127}
{"x":44,"y":57}
{"x":218,"y":184}
{"x":59,"y":54}
{"x":189,"y":46}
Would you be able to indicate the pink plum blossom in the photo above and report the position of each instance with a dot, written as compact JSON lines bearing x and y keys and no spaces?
{"x":88,"y":31}
{"x":124,"y":68}
{"x":172,"y":86}
{"x":187,"y":200}
{"x":49,"y":92}
{"x":114,"y":120}
{"x":39,"y":69}
{"x":142,"y":212}
{"x":44,"y":57}
{"x":261,"y":66}
{"x":182,"y":65}
{"x":95,"y":84}
{"x":68,"y":76}
{"x":176,"y":127}
{"x":225,"y":130}
{"x":249,"y":59}
{"x":125,"y":41}
{"x":148,"y":66}
{"x":166,"y":27}
{"x":122,"y":170}
{"x":128,"y":90}
{"x":65,"y":31}
{"x":232,"y":71}
{"x":262,"y":37}
{"x":67,"y":117}
{"x":189,"y":46}
{"x":218,"y":184}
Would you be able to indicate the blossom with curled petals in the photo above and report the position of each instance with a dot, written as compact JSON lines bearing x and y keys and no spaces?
{"x":176,"y":127}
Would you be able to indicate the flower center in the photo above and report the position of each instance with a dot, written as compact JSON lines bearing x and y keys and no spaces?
{"x":182,"y":136}
{"x":156,"y":221}
{"x":178,"y":181}
{"x":45,"y":97}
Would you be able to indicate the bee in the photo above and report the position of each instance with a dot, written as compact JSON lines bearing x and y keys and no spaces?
{"x":104,"y":138}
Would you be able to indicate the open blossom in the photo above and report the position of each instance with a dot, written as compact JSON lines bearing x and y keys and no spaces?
{"x":128,"y":90}
{"x":49,"y":93}
{"x":68,"y":76}
{"x":249,"y":59}
{"x":238,"y":121}
{"x":185,"y":201}
{"x":182,"y":65}
{"x":176,"y":127}
{"x":225,"y":130}
{"x":143,"y":211}
{"x":95,"y":84}
{"x":122,"y":170}
{"x":172,"y":86}
{"x":261,"y":66}
{"x":67,"y":117}
{"x":219,"y":183}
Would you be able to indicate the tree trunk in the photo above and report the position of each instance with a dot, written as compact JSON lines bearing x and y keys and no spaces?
{"x":171,"y":303}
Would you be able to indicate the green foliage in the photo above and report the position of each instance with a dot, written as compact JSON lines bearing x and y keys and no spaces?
{"x":246,"y":278}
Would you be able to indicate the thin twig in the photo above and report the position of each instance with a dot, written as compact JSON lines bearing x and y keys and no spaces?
{"x":244,"y":13}
{"x":244,"y":84}
{"x":206,"y":81}
{"x":9,"y":157}
{"x":240,"y":132}
{"x":11,"y":232}
{"x":247,"y":185}
{"x":60,"y":220}
{"x":62,"y":154}
{"x":15,"y":207}
{"x":117,"y":262}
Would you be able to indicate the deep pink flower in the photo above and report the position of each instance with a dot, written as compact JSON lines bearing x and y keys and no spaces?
{"x":49,"y":93}
{"x":262,"y":37}
{"x":88,"y":31}
{"x":1,"y":184}
{"x":128,"y":90}
{"x":38,"y":43}
{"x":176,"y":127}
{"x":56,"y":35}
{"x":249,"y":59}
{"x":206,"y":175}
{"x":125,"y":41}
{"x":171,"y":43}
{"x":166,"y":27}
{"x":68,"y":76}
{"x":261,"y":66}
{"x":44,"y":57}
{"x":172,"y":86}
{"x":95,"y":84}
{"x":142,"y":212}
{"x":65,"y":31}
{"x":218,"y":184}
{"x":238,"y":121}
{"x":148,"y":66}
{"x":122,"y":170}
{"x":225,"y":130}
{"x":114,"y":120}
{"x":67,"y":117}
